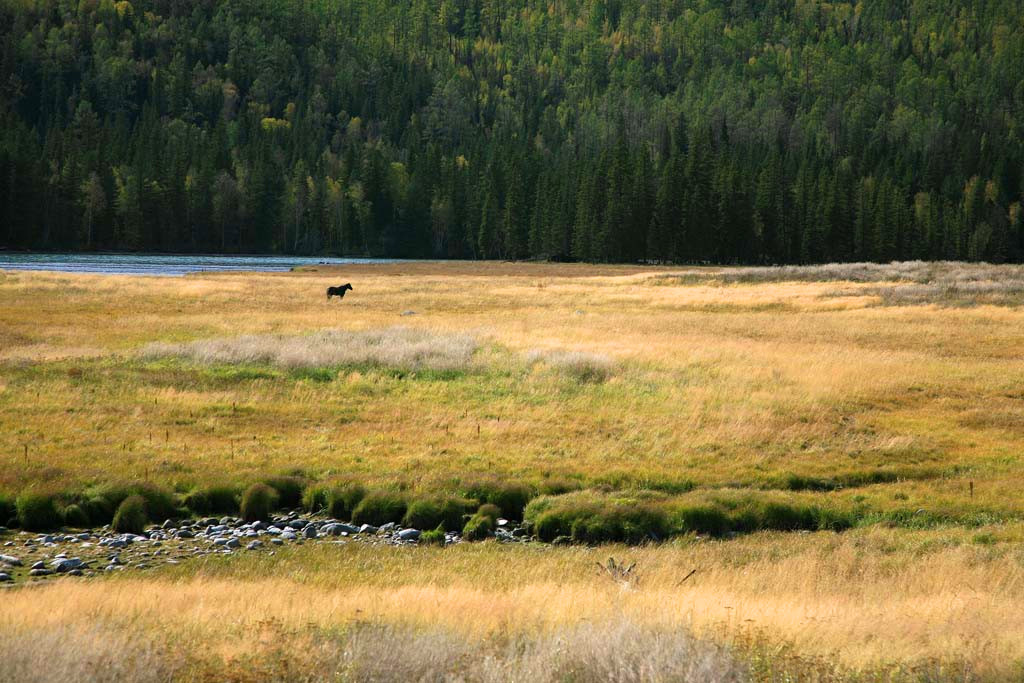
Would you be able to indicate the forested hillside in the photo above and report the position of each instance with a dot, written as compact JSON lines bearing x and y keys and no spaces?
{"x":607,"y":130}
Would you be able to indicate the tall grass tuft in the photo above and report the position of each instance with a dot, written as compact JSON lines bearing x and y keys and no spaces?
{"x":213,"y":499}
{"x":37,"y":511}
{"x":8,"y":510}
{"x":445,"y":513}
{"x":131,"y":516}
{"x":337,"y":499}
{"x":380,"y":508}
{"x":511,"y":498}
{"x":478,"y":528}
{"x":289,"y":489}
{"x":258,"y":502}
{"x":395,"y":347}
{"x":578,"y":366}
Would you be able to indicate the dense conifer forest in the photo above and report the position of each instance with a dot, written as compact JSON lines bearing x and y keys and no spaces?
{"x":602,"y":130}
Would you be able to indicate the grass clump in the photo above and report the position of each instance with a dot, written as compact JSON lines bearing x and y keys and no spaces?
{"x":258,"y":501}
{"x":101,"y":502}
{"x":214,"y":499}
{"x":589,"y":517}
{"x":75,"y":516}
{"x":131,"y":516}
{"x":578,"y":366}
{"x":289,"y":489}
{"x":317,"y":497}
{"x":434,"y":537}
{"x":446,"y":514}
{"x":490,"y":510}
{"x":478,"y":528}
{"x":380,"y":508}
{"x":339,"y":500}
{"x":37,"y":511}
{"x":8,"y":511}
{"x":344,"y":499}
{"x":510,"y":498}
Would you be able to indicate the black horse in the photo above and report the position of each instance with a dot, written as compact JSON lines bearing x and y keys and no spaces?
{"x":338,"y":291}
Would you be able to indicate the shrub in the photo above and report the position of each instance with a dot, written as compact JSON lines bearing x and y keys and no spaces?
{"x":258,"y":501}
{"x":379,"y":508}
{"x":214,"y":499}
{"x":131,"y":516}
{"x":435,"y":537}
{"x":478,"y":528}
{"x":37,"y":511}
{"x":511,"y":498}
{"x":74,"y":516}
{"x":289,"y":489}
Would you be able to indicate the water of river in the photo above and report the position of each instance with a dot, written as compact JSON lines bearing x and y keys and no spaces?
{"x":161,"y":264}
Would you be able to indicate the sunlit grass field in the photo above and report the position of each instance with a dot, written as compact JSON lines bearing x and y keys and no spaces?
{"x":893,"y":395}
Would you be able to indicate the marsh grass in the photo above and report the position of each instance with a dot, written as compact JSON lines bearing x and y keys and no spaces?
{"x":85,"y":653}
{"x":396,"y":348}
{"x":732,"y":407}
{"x":578,"y":366}
{"x":916,"y":282}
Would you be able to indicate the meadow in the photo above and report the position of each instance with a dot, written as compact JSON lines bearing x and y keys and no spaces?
{"x":834,"y":449}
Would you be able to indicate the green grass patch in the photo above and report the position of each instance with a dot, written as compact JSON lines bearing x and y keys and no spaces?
{"x":380,"y":508}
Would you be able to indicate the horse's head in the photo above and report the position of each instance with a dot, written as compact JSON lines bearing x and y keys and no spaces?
{"x":346,"y":286}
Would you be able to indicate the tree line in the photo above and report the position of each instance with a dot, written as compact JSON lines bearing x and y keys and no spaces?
{"x":601,"y":130}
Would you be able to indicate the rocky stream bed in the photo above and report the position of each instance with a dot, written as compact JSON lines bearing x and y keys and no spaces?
{"x":34,"y":557}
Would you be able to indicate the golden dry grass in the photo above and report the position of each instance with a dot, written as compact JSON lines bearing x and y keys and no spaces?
{"x":722,"y":383}
{"x":864,"y":601}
